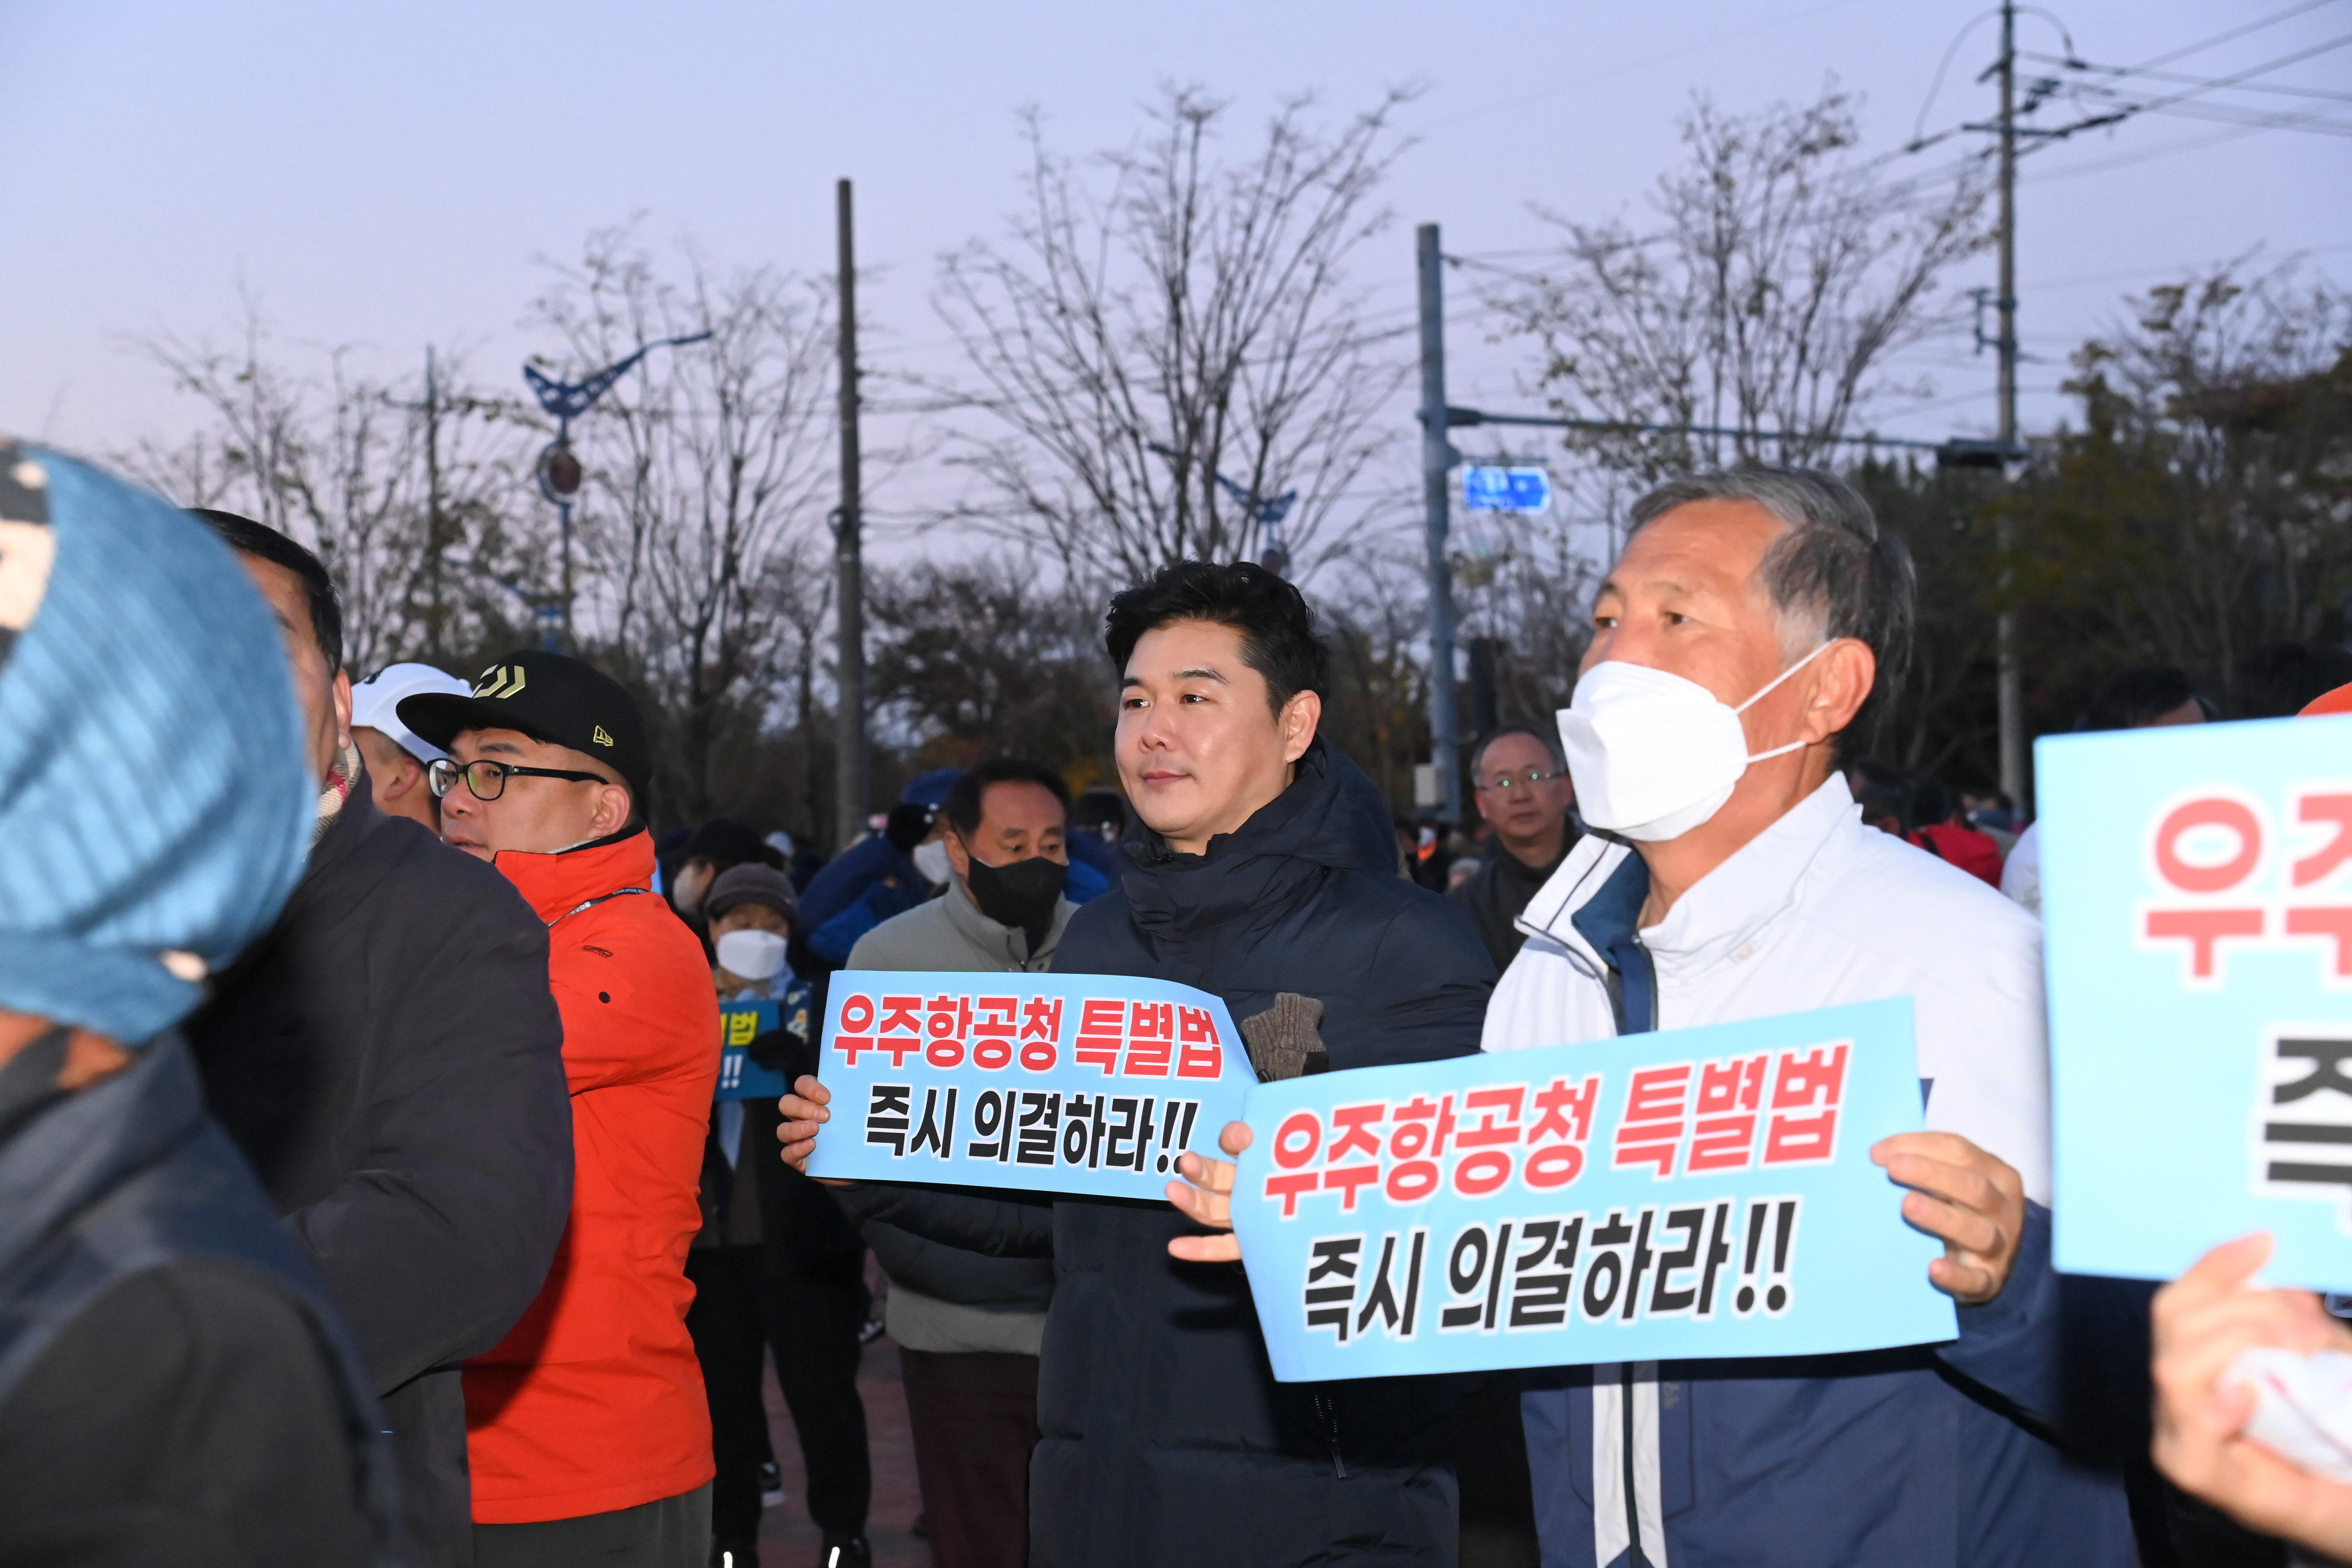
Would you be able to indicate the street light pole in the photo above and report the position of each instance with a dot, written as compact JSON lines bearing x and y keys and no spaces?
{"x":2009,"y":682}
{"x":850,"y":781}
{"x":1437,"y":458}
{"x":559,"y":468}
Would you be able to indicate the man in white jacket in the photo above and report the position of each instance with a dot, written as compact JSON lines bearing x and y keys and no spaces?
{"x":1749,"y":629}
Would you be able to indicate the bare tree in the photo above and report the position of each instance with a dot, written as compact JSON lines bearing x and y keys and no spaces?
{"x":1168,"y":317}
{"x":1782,"y":276}
{"x":414,"y":504}
{"x":984,"y":659}
{"x":707,"y":469}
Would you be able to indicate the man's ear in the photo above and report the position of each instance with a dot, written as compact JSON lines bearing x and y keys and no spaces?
{"x":1848,"y":670}
{"x":958,"y":853}
{"x":613,"y":806}
{"x":1297,"y":720}
{"x":342,"y":711}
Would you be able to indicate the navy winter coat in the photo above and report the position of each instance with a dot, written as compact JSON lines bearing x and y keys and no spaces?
{"x":1164,"y":1437}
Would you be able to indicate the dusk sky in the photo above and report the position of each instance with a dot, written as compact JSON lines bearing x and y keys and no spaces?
{"x":389,"y":176}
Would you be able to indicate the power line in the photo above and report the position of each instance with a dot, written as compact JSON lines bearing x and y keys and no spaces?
{"x":2255,"y":26}
{"x":2182,"y":77}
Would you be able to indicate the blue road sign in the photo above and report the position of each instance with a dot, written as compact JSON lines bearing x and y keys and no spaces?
{"x":1505,"y":490}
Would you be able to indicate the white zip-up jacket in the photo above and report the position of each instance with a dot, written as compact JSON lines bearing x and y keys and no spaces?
{"x":1870,"y":1459}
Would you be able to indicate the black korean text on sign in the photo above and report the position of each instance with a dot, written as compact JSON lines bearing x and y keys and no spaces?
{"x":2303,"y":1138}
{"x":1778,"y":1217}
{"x":1331,"y":1265}
{"x":1511,"y":1274}
{"x":887,"y":1115}
{"x":1398,"y":1321}
{"x":936,"y":1132}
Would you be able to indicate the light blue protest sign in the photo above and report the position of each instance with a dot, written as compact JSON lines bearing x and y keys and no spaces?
{"x":2197,"y":912}
{"x":1697,"y":1192}
{"x":1056,"y":1083}
{"x":740,"y":1022}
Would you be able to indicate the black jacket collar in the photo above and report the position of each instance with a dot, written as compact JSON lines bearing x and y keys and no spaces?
{"x":1329,"y":819}
{"x":66,"y":1157}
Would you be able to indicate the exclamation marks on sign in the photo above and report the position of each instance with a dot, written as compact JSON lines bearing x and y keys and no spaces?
{"x":1174,"y":1138}
{"x":1779,"y":1216}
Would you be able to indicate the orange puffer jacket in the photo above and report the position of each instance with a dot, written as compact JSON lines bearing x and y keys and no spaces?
{"x":594,"y":1401}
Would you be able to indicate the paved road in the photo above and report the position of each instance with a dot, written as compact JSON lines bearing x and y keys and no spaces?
{"x":787,"y":1539}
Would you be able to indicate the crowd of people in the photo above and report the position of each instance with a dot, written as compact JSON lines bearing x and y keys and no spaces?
{"x":367,"y":1195}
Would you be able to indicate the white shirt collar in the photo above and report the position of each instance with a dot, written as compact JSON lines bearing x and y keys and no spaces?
{"x":1727,"y":907}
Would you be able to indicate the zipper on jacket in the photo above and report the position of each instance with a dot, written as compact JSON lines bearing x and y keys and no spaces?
{"x":1329,"y":1409}
{"x":1634,"y":1557}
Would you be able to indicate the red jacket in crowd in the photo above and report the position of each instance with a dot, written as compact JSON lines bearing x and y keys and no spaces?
{"x":594,"y":1401}
{"x":1973,"y":852}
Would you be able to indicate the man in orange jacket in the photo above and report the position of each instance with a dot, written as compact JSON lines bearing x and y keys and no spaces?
{"x":587,"y":1430}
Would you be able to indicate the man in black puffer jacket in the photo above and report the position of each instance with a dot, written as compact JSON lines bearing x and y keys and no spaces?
{"x":389,"y":1058}
{"x":1262,"y":869}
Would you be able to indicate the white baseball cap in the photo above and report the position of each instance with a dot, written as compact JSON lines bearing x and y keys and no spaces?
{"x":375,"y":703}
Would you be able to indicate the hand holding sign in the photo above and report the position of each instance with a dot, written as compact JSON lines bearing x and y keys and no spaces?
{"x":1971,"y":1201}
{"x":1205,"y":1195}
{"x":805,"y":1113}
{"x":2204,"y":1323}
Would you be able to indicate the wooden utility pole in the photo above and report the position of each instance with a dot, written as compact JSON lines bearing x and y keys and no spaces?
{"x":436,"y":544}
{"x":2009,"y":682}
{"x":849,"y":773}
{"x":1437,"y":458}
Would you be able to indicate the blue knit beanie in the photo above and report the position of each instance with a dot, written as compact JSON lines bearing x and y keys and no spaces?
{"x":155,"y":807}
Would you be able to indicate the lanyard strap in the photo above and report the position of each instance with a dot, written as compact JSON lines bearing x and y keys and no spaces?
{"x":592,"y":903}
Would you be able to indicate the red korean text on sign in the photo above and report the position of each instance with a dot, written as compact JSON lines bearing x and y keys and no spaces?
{"x":1151,"y":1038}
{"x":2205,"y":926}
{"x":1200,"y":1053}
{"x":1101,"y":1031}
{"x":1723,"y":1129}
{"x":1563,"y":1123}
{"x":1419,"y":1132}
{"x":901,"y":1029}
{"x":1041,"y":1028}
{"x":1489,"y":1132}
{"x":948,"y":1023}
{"x":1650,"y":1132}
{"x":855,"y":1035}
{"x":1806,"y":1092}
{"x":996,"y":1022}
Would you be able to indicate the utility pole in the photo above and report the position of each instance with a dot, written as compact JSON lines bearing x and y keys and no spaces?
{"x":435,"y":541}
{"x":1437,"y":457}
{"x":849,"y":771}
{"x":2009,"y":682}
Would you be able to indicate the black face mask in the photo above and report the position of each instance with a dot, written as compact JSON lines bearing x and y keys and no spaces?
{"x":1023,"y":895}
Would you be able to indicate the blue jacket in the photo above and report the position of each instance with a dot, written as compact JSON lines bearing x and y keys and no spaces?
{"x":854,"y":894}
{"x":1958,"y":1473}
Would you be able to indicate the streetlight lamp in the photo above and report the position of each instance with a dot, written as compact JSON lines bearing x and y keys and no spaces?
{"x":1269,"y":510}
{"x":559,"y":468}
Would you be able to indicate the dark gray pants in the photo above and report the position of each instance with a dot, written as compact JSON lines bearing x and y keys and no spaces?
{"x":672,"y":1533}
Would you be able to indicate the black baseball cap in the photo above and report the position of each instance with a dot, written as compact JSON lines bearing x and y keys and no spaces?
{"x":550,"y":697}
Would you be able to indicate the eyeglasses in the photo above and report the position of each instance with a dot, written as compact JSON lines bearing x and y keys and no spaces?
{"x":1511,"y":780}
{"x":487,"y":779}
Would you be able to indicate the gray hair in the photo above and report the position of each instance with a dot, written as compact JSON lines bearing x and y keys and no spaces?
{"x":1835,"y":573}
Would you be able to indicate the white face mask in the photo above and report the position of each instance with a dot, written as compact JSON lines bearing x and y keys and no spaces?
{"x":1654,"y":755}
{"x":752,"y":954}
{"x":931,"y":860}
